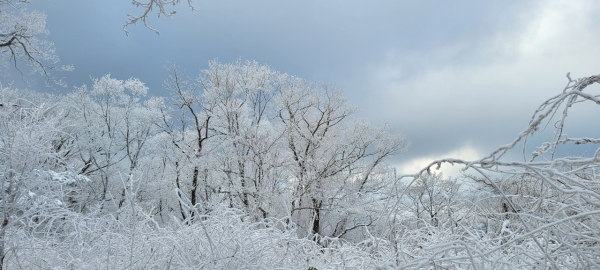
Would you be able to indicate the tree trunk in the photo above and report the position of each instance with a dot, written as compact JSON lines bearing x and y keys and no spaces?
{"x":3,"y":239}
{"x":183,"y":215}
{"x":194,"y":188}
{"x":316,"y":224}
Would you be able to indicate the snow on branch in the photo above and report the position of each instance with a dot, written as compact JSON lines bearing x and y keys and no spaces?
{"x":153,"y":5}
{"x":546,"y":210}
{"x":21,"y":41}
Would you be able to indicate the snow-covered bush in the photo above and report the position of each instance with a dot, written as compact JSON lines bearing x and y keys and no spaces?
{"x":548,"y":205}
{"x":38,"y":187}
{"x":223,"y":239}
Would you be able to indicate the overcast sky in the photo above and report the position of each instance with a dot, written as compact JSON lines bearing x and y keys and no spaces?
{"x":458,"y":78}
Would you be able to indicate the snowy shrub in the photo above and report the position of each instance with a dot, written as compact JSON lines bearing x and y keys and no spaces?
{"x":547,"y":207}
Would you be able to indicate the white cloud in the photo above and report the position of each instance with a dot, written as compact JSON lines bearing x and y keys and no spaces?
{"x":466,"y":152}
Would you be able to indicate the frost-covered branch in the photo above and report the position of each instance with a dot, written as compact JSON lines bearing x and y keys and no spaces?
{"x":538,"y":213}
{"x":21,"y":42}
{"x":159,"y":6}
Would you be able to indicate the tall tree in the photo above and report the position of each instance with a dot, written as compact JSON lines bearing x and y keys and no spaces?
{"x":332,"y":154}
{"x":116,"y":124}
{"x":189,"y":134}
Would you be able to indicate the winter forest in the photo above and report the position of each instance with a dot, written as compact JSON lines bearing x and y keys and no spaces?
{"x":241,"y":166}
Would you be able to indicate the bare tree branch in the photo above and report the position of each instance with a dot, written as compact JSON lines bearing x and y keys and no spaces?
{"x":153,"y":5}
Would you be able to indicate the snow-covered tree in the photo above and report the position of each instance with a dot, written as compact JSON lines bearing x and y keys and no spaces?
{"x":239,"y":98}
{"x":22,"y":41}
{"x":189,"y":131}
{"x":433,"y":199}
{"x":228,"y":150}
{"x":275,"y":146}
{"x":334,"y":157}
{"x":115,"y":124}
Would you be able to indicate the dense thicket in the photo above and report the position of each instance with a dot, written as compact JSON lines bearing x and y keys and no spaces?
{"x":240,"y":136}
{"x":246,"y":167}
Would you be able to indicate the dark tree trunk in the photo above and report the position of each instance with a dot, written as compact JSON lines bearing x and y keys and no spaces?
{"x":183,"y":215}
{"x":316,"y":224}
{"x":194,"y":188}
{"x":3,"y":239}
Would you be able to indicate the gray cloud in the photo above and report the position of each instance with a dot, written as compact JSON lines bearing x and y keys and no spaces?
{"x":446,"y":74}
